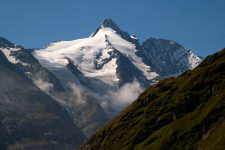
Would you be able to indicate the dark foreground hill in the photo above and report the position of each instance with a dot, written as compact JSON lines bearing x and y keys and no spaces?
{"x":187,"y":112}
{"x":29,"y":118}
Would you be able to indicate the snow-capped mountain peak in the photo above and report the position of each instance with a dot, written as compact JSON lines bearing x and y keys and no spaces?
{"x":93,"y":56}
{"x":111,"y":58}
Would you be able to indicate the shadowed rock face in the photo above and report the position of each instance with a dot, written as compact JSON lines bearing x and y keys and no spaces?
{"x":29,"y":118}
{"x":4,"y":43}
{"x":187,"y":112}
{"x":167,"y":58}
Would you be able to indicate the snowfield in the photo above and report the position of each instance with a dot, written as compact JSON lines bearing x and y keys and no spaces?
{"x":84,"y":53}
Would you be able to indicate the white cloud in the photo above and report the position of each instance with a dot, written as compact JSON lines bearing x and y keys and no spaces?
{"x":77,"y":91}
{"x":44,"y":86}
{"x":126,"y":95}
{"x":121,"y":98}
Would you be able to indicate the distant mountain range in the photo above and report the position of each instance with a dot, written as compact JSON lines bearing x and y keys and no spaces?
{"x":187,"y":112}
{"x":93,"y":79}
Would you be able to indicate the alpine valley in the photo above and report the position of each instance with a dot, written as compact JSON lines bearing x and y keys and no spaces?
{"x":80,"y":85}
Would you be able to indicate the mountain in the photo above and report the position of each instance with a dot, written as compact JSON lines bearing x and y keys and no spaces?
{"x":88,"y":116}
{"x":97,"y":77}
{"x":110,"y":61}
{"x":187,"y":112}
{"x":29,"y":118}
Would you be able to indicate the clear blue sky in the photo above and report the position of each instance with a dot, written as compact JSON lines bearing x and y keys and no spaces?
{"x":197,"y":24}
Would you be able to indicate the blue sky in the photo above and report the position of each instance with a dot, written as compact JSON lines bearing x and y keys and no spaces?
{"x":197,"y":24}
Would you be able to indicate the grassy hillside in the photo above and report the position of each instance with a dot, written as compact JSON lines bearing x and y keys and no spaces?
{"x":187,"y":112}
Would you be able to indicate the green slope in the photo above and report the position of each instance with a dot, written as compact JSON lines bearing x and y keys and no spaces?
{"x":187,"y":112}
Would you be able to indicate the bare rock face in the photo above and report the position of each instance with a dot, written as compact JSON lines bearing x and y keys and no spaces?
{"x":168,"y":58}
